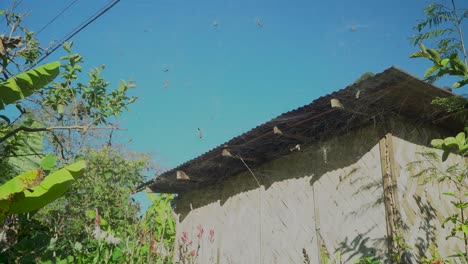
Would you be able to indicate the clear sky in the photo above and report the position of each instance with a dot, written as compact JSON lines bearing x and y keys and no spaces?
{"x":229,"y":78}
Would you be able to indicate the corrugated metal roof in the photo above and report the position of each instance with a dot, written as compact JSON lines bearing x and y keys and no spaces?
{"x":392,"y":92}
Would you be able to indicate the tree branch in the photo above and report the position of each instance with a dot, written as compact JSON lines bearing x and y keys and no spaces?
{"x":460,"y":33}
{"x":50,"y":129}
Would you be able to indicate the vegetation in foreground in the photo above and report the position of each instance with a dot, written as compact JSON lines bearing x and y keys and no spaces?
{"x":64,"y":200}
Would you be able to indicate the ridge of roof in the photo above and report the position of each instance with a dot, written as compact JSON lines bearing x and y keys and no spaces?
{"x":392,"y":80}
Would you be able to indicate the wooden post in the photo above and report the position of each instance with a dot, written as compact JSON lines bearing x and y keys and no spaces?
{"x":390,"y":192}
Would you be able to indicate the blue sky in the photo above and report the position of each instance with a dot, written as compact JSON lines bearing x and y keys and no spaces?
{"x":233,"y":77}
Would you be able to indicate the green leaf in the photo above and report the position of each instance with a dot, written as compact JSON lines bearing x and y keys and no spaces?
{"x":431,"y":70}
{"x":28,"y":149}
{"x":465,"y":229}
{"x":437,"y":143}
{"x":445,"y":155}
{"x":90,"y":214}
{"x":60,"y":109}
{"x":449,"y":193}
{"x":450,"y":141}
{"x":48,"y":162}
{"x":24,"y":84}
{"x":461,"y":140}
{"x":434,"y":55}
{"x":67,"y":47}
{"x":2,"y":12}
{"x":19,"y":184}
{"x":422,"y":47}
{"x":30,"y":191}
{"x":444,"y":62}
{"x":117,"y":254}
{"x":420,"y":54}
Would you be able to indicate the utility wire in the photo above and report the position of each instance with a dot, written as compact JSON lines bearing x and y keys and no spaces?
{"x":77,"y":30}
{"x":57,"y":16}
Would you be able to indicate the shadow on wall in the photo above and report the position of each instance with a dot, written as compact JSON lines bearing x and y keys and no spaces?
{"x":314,"y":160}
{"x":317,"y":159}
{"x":357,"y":246}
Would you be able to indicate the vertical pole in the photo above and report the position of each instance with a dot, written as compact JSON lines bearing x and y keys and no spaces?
{"x":390,"y":193}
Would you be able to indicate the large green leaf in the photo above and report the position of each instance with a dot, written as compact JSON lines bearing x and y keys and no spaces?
{"x":19,"y":184}
{"x":30,"y":191}
{"x":28,"y":149}
{"x":48,"y":162}
{"x":24,"y":84}
{"x":52,"y":187}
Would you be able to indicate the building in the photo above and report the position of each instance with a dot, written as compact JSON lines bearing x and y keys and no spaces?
{"x":343,"y":177}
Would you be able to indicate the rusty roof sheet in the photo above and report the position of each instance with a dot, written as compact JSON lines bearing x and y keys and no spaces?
{"x":392,"y":92}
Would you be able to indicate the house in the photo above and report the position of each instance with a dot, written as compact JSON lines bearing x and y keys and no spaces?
{"x":343,"y":177}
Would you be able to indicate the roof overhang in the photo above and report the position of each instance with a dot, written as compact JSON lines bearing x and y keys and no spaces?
{"x":392,"y":92}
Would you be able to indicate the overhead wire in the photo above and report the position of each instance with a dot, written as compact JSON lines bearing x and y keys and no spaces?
{"x":57,"y":16}
{"x":77,"y":30}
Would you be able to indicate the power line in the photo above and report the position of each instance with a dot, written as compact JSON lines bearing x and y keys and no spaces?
{"x":78,"y":29}
{"x":57,"y":16}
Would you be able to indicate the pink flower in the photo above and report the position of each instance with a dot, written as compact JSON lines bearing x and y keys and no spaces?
{"x":184,"y":237}
{"x":192,"y":253}
{"x":200,"y":231}
{"x":211,"y":235}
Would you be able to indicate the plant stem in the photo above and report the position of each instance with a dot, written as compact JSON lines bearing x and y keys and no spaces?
{"x":460,"y":33}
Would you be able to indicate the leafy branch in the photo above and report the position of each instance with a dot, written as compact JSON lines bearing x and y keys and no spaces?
{"x":82,"y":129}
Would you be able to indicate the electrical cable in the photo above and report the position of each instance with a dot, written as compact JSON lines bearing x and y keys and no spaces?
{"x":57,"y":16}
{"x":77,"y":30}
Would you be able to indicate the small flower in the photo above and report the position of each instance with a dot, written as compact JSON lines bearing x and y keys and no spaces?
{"x":437,"y":262}
{"x":211,"y":238}
{"x":200,"y":231}
{"x":98,"y":234}
{"x":152,"y":245}
{"x":192,"y":253}
{"x":112,"y":240}
{"x":184,"y":237}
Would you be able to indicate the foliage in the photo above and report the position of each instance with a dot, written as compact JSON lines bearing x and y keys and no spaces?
{"x":457,"y":145}
{"x":96,"y":221}
{"x":154,"y":235}
{"x":189,"y":248}
{"x":440,"y":23}
{"x":364,"y":76}
{"x":443,"y":25}
{"x":368,"y":260}
{"x":24,"y":84}
{"x":458,"y":196}
{"x":91,"y":100}
{"x":160,"y":215}
{"x":106,"y":187}
{"x":19,"y":47}
{"x":451,"y":65}
{"x":59,"y":115}
{"x":33,"y":190}
{"x":80,"y":107}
